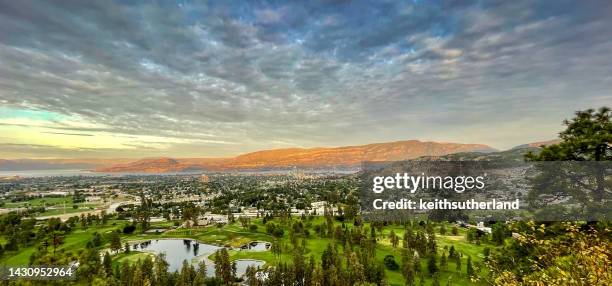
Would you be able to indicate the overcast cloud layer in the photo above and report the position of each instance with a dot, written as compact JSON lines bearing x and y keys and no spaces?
{"x":196,"y":80}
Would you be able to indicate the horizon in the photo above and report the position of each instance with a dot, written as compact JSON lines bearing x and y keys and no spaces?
{"x":187,"y":80}
{"x":264,"y":150}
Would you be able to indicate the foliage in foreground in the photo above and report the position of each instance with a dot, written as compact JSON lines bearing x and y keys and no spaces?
{"x":572,"y":255}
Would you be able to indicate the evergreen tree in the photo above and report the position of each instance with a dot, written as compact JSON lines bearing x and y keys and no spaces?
{"x":587,"y":137}
{"x":486,"y":252}
{"x":417,"y":264}
{"x":200,"y":276}
{"x":457,"y":263}
{"x":443,"y":261}
{"x":451,"y":252}
{"x":498,"y":234}
{"x":455,"y":230}
{"x":138,"y":279}
{"x":469,"y":268}
{"x":126,"y":274}
{"x":435,"y":280}
{"x":107,"y":263}
{"x":251,"y":276}
{"x":432,"y":267}
{"x":277,"y":248}
{"x":309,"y":272}
{"x":161,"y":269}
{"x":146,"y":267}
{"x":115,"y":241}
{"x":408,"y":272}
{"x":393,"y":238}
{"x":223,"y":266}
{"x":186,"y":275}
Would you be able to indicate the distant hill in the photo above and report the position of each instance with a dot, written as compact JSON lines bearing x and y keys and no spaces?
{"x":516,"y":153}
{"x":348,"y":157}
{"x":538,"y":144}
{"x":57,"y":164}
{"x":167,"y":165}
{"x":311,"y":158}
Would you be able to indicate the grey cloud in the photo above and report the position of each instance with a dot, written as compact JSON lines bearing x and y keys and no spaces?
{"x":70,"y":134}
{"x":290,"y":75}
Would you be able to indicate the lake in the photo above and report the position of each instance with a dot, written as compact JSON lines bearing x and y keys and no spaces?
{"x":177,"y":250}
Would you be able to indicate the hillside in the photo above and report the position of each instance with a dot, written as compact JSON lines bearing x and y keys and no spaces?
{"x":312,"y":158}
{"x":57,"y":164}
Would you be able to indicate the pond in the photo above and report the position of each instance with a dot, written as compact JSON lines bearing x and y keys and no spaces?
{"x":177,"y":250}
{"x":242,"y":264}
{"x":256,"y":246}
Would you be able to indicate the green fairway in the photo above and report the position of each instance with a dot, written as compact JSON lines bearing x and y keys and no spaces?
{"x":41,"y":202}
{"x":130,"y":257}
{"x":70,"y":210}
{"x":54,"y":205}
{"x":234,"y":235}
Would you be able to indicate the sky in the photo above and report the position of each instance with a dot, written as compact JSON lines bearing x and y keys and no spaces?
{"x":117,"y":79}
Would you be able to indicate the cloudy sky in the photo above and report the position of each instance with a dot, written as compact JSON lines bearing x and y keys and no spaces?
{"x":112,"y":79}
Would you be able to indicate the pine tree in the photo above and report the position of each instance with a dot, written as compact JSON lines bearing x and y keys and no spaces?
{"x":417,"y":264}
{"x":126,"y":274}
{"x":107,"y":263}
{"x":443,"y":229}
{"x":251,"y":276}
{"x":393,"y":238}
{"x":223,"y":266}
{"x":146,"y":267}
{"x":436,"y":280}
{"x":458,"y":263}
{"x":443,"y":261}
{"x":588,"y":137}
{"x":186,"y":275}
{"x":161,"y":269}
{"x":498,"y":234}
{"x":469,"y":268}
{"x":309,"y":272}
{"x":431,"y":265}
{"x":138,"y":279}
{"x":408,"y":272}
{"x":115,"y":241}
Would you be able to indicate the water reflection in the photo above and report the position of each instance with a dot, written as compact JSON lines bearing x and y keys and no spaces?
{"x":177,"y":250}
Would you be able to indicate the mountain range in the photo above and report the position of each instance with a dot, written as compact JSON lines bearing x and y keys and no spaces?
{"x":58,"y":164}
{"x":346,"y":157}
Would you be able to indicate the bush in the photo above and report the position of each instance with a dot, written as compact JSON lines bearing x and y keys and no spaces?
{"x":455,"y":230}
{"x":129,"y":229}
{"x":390,"y":263}
{"x":486,"y":252}
{"x":442,"y":229}
{"x":270,"y":227}
{"x":253,"y":228}
{"x":279,"y":232}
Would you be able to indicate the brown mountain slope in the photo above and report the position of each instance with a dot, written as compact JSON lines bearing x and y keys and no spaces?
{"x":349,"y":156}
{"x":538,"y":144}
